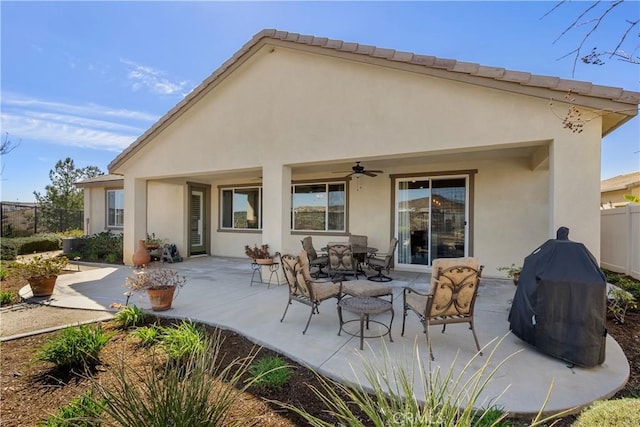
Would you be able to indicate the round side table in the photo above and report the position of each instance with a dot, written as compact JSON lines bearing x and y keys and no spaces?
{"x":365,"y":306}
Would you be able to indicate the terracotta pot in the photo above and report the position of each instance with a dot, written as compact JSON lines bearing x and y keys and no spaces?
{"x":264,"y":261}
{"x":161,"y":299}
{"x":141,"y":256}
{"x":42,"y":286}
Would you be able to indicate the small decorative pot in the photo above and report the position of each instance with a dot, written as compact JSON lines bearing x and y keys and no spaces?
{"x":42,"y":286}
{"x":141,"y":256}
{"x":161,"y":298}
{"x":264,"y":261}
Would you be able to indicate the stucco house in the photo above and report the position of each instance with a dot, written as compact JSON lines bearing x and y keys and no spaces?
{"x":613,"y":190}
{"x":474,"y":160}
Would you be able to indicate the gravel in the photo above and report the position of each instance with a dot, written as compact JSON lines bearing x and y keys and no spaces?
{"x":19,"y":320}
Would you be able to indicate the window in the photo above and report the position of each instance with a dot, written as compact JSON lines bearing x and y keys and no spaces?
{"x":241,"y":208}
{"x":115,"y":208}
{"x":318,"y":207}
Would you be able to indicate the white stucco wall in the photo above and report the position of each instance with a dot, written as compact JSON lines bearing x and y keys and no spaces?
{"x":284,"y":107}
{"x":95,"y":211}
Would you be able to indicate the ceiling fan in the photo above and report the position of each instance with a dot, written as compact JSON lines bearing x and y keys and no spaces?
{"x":358,"y":170}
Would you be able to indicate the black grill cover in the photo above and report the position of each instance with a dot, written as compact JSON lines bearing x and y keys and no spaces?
{"x":560,"y":303}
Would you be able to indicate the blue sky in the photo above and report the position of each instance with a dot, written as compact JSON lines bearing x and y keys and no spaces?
{"x":85,"y":79}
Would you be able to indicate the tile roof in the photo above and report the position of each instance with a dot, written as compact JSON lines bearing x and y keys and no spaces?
{"x":621,"y":182}
{"x":427,"y":63}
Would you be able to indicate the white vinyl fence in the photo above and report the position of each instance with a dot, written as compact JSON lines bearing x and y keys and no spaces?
{"x":620,"y":240}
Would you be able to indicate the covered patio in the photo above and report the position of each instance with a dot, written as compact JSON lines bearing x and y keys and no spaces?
{"x":218,"y":293}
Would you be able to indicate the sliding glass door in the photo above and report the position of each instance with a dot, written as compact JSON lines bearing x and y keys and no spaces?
{"x":431,"y":219}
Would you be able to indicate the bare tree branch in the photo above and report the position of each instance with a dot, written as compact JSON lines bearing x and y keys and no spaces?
{"x":594,"y":57}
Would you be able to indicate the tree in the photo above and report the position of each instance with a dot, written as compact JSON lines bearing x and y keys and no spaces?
{"x":62,"y":197}
{"x":6,"y":147}
{"x":591,"y":18}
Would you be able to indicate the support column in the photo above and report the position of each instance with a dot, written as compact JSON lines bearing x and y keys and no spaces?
{"x":574,"y":181}
{"x":135,"y":215}
{"x":276,"y":205}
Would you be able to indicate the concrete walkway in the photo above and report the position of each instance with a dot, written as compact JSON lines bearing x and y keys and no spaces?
{"x":218,"y":293}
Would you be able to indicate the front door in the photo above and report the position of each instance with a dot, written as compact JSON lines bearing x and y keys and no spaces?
{"x":197,"y":221}
{"x":431,"y":219}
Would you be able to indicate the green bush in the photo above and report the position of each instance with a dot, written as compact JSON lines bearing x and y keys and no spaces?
{"x":619,"y":413}
{"x":75,"y":346}
{"x":625,"y":282}
{"x":270,"y":372}
{"x":8,"y":249}
{"x":104,"y":247}
{"x":388,"y":398}
{"x":130,"y":316}
{"x":201,"y":394}
{"x":83,"y":411}
{"x":6,"y":297}
{"x":3,"y":273}
{"x":148,"y":335}
{"x":183,"y":340}
{"x":39,"y":243}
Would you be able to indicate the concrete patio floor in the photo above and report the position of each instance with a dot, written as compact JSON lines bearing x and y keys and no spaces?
{"x":218,"y":293}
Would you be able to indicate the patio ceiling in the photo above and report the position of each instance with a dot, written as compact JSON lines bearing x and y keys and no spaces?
{"x":535,"y":152}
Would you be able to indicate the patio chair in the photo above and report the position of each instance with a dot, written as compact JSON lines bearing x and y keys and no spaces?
{"x":380,"y":264}
{"x":303,"y":288}
{"x":362,"y":241}
{"x":341,"y":261}
{"x":316,"y":261}
{"x":451,"y":299}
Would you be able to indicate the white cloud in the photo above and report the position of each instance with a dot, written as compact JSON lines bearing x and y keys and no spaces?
{"x":88,"y":126}
{"x":142,"y":76}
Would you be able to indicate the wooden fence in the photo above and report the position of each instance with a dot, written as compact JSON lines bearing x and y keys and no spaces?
{"x":620,"y":240}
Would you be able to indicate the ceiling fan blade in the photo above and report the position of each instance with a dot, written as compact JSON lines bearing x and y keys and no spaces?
{"x":369,"y":173}
{"x":375,"y":171}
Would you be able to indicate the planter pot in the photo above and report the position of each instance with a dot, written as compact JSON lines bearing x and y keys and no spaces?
{"x":516,"y":276}
{"x":161,"y":299}
{"x":264,"y":261}
{"x":141,"y":256}
{"x":42,"y":286}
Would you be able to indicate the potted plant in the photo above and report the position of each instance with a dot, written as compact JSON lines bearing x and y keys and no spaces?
{"x":152,"y":242}
{"x":260,"y":254}
{"x":159,"y":284}
{"x":42,"y":273}
{"x":513,"y":272}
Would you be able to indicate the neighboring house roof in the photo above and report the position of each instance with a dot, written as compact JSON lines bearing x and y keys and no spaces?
{"x":620,"y":182}
{"x":583,"y":93}
{"x":109,"y":180}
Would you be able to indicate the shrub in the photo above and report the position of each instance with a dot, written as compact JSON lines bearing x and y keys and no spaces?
{"x":130,"y":316}
{"x":83,"y":411}
{"x":8,"y":250}
{"x":3,"y":273}
{"x":39,"y":243}
{"x":618,"y":412}
{"x":6,"y":297}
{"x":148,"y":335}
{"x":270,"y":372}
{"x":181,"y":341}
{"x":100,"y":246}
{"x":389,"y":398}
{"x":619,"y":302}
{"x":201,"y":394}
{"x":75,"y":346}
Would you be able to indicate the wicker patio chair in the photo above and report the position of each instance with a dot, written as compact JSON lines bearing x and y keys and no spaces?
{"x":451,"y":299}
{"x":303,"y":288}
